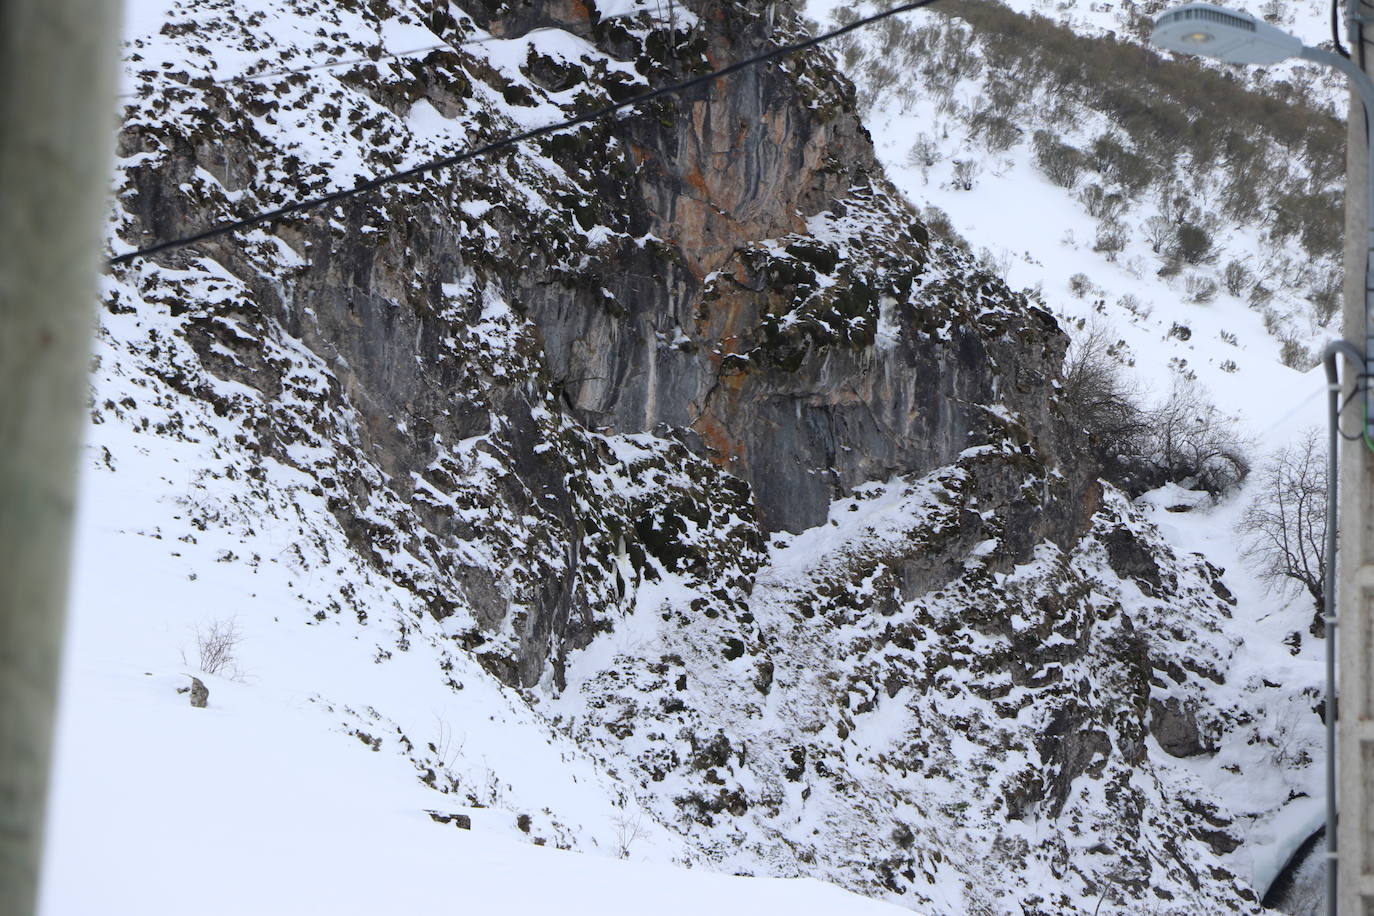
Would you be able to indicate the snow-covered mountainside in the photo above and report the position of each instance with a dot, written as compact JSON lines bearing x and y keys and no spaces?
{"x":668,"y":489}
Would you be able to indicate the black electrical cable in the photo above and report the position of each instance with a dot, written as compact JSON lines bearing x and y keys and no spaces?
{"x":1359,"y":33}
{"x":1360,"y":381}
{"x":474,"y":152}
{"x":1336,"y":31}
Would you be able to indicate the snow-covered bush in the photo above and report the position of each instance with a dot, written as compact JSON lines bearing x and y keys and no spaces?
{"x":1189,"y":440}
{"x":1200,"y":289}
{"x":1238,"y":278}
{"x":1184,"y":440}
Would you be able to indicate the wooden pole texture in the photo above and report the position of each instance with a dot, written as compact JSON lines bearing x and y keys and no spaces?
{"x":57,"y":74}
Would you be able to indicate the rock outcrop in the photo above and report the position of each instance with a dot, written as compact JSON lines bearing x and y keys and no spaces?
{"x":596,"y":383}
{"x":727,"y":267}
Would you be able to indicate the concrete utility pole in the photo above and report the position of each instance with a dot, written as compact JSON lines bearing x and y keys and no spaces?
{"x":57,"y":70}
{"x":1355,"y":632}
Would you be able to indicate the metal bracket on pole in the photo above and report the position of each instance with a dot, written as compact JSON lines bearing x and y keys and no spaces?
{"x":1331,"y":361}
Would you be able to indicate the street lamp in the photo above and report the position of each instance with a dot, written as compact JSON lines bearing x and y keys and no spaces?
{"x":1239,"y":38}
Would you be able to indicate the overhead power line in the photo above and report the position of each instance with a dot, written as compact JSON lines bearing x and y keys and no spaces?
{"x":416,"y":171}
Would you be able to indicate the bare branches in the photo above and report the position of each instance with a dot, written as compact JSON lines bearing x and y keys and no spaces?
{"x":1095,"y":390}
{"x":1185,"y":440}
{"x":1190,"y":440}
{"x":217,"y":648}
{"x":1285,"y":526}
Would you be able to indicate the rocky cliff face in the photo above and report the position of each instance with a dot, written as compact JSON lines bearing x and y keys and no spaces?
{"x":578,"y":398}
{"x":728,"y":268}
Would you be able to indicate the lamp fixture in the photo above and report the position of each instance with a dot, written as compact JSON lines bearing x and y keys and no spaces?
{"x":1213,"y":31}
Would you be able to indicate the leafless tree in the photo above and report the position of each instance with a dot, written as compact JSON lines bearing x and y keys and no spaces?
{"x":1185,"y":440}
{"x":965,"y":174}
{"x":1160,"y":231}
{"x":1096,"y":394}
{"x":1284,"y":527}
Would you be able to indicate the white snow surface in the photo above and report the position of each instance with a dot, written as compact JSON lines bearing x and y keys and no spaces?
{"x":289,"y":793}
{"x":275,"y":799}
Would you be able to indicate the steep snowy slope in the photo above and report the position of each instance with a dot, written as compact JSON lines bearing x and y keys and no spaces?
{"x":1043,"y":235}
{"x":1071,"y":188}
{"x":662,"y":490}
{"x":290,"y":793}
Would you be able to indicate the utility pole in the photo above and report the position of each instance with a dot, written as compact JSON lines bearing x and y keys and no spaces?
{"x":57,"y":75}
{"x":1355,"y":631}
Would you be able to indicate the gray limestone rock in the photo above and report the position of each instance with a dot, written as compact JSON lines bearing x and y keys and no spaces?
{"x":1176,"y":728}
{"x":200,"y":694}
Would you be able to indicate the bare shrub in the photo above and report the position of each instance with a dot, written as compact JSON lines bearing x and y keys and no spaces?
{"x":1170,"y":267}
{"x":1130,"y":171}
{"x":998,"y":265}
{"x":1111,"y":238}
{"x":1238,"y":278}
{"x":1260,"y":295}
{"x":1060,"y":162}
{"x":1296,"y":356}
{"x":965,"y":174}
{"x":924,"y":153}
{"x":1284,"y":527}
{"x":1242,"y":198}
{"x":217,"y":645}
{"x":1190,"y":442}
{"x":1325,"y":295}
{"x":1081,"y":285}
{"x":941,"y":227}
{"x":956,"y":57}
{"x":628,"y":830}
{"x":997,"y":130}
{"x":1160,"y":232}
{"x":1315,"y":219}
{"x":1100,"y":203}
{"x":1096,"y":394}
{"x":1200,"y":289}
{"x":1193,"y":244}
